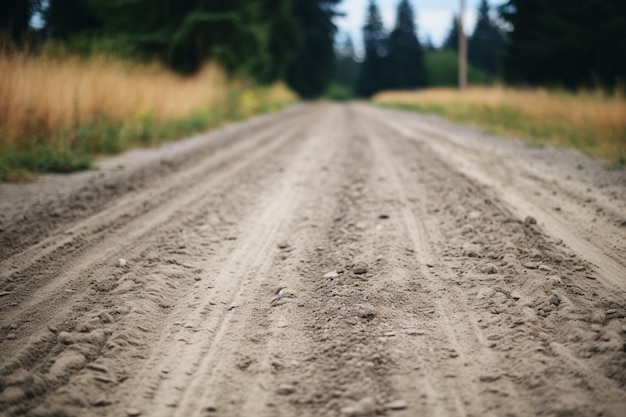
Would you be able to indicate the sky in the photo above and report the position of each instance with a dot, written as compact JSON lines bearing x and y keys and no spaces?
{"x":434,"y":17}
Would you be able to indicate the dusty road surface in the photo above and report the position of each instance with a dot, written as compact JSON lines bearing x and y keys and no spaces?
{"x":428,"y":270}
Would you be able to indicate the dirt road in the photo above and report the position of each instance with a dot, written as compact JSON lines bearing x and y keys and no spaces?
{"x":428,"y":270}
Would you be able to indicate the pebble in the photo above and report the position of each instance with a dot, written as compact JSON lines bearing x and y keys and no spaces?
{"x":360,"y":268}
{"x":97,"y":367}
{"x":101,"y":402}
{"x":11,"y":336}
{"x":4,"y":293}
{"x":489,"y":269}
{"x":283,"y":245}
{"x":133,"y":412}
{"x":65,"y":338}
{"x":285,"y":389}
{"x":121,"y":262}
{"x":530,"y":220}
{"x":383,"y":216}
{"x":545,"y":268}
{"x":364,"y":406}
{"x":413,"y":332}
{"x":554,"y":300}
{"x":331,"y":274}
{"x":397,"y":405}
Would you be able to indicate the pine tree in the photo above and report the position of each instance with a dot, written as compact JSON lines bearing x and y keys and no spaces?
{"x":566,"y":43}
{"x":485,"y":43}
{"x":452,"y":38}
{"x":14,"y":18}
{"x":405,"y":58}
{"x":372,"y":75}
{"x":313,"y":67}
{"x":347,"y":67}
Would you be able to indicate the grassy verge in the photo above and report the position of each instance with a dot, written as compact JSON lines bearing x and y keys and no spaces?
{"x":56,"y":114}
{"x":593,"y":122}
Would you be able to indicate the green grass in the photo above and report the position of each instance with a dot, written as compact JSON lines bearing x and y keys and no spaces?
{"x":73,"y":150}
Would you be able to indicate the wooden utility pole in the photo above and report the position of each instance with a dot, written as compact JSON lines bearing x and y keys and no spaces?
{"x":462,"y":50}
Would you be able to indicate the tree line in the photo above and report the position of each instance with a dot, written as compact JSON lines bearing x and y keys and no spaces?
{"x":267,"y":40}
{"x":561,"y":43}
{"x":569,"y":43}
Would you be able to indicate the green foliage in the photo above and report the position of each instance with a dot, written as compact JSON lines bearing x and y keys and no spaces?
{"x":442,"y":68}
{"x":254,"y":38}
{"x":568,"y":43}
{"x":313,"y":66}
{"x":338,"y":92}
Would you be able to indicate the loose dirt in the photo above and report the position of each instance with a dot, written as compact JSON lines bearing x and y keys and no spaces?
{"x":426,"y":269}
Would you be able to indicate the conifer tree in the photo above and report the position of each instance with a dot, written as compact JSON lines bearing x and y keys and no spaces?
{"x":313,"y":67}
{"x":14,"y":18}
{"x":405,"y":57}
{"x":347,"y":67}
{"x":485,"y":43}
{"x":452,"y":38}
{"x":372,"y":75}
{"x":566,"y":43}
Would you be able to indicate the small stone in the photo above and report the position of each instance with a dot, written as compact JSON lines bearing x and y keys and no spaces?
{"x":530,"y":220}
{"x":360,"y":268}
{"x":413,"y":332}
{"x":98,"y":368}
{"x":545,"y":268}
{"x":383,"y":216}
{"x":210,"y":408}
{"x":331,"y":275}
{"x":489,"y":269}
{"x":554,"y":300}
{"x":133,"y":412}
{"x":12,"y":394}
{"x":121,"y":262}
{"x":397,"y":405}
{"x":285,"y":389}
{"x":283,"y":245}
{"x":101,"y":402}
{"x":365,"y":406}
{"x":65,"y":338}
{"x":11,"y":336}
{"x":389,"y":334}
{"x":4,"y":293}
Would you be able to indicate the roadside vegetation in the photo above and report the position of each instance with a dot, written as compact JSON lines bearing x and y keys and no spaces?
{"x":592,"y":121}
{"x":57,"y":113}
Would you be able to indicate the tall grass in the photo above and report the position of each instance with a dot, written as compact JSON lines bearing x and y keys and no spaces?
{"x":56,"y":112}
{"x":592,"y":121}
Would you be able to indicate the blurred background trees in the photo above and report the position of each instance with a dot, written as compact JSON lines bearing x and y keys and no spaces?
{"x":566,"y":43}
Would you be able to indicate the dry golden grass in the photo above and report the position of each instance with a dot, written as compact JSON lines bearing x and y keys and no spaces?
{"x":49,"y":94}
{"x":590,"y":120}
{"x":57,"y":112}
